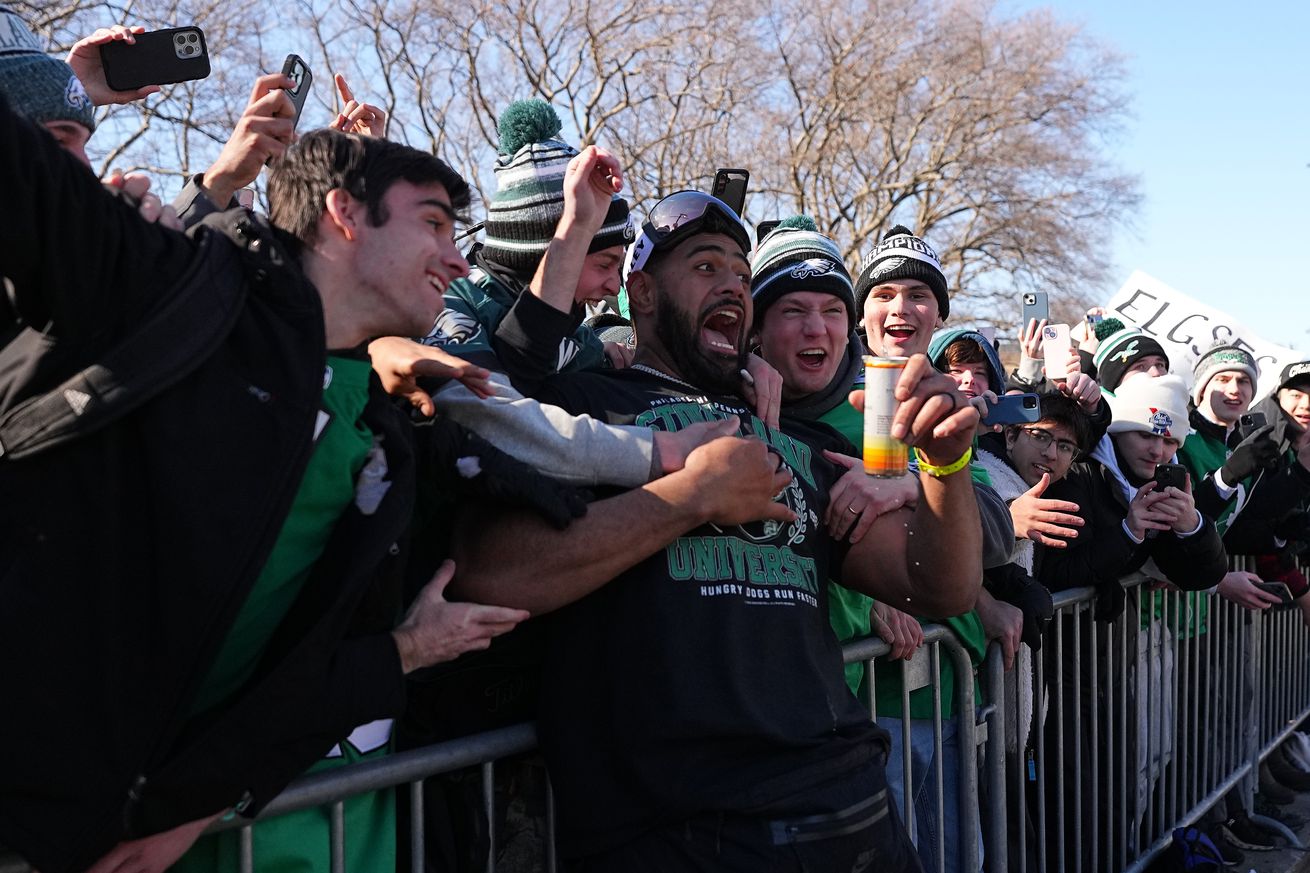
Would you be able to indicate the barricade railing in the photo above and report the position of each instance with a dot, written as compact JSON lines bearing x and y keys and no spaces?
{"x":1134,"y":727}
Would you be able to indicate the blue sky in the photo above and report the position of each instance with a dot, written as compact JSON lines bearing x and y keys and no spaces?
{"x":1221,"y":140}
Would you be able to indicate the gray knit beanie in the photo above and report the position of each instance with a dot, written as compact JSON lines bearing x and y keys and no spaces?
{"x":529,"y":199}
{"x":1222,"y":357}
{"x":38,"y":86}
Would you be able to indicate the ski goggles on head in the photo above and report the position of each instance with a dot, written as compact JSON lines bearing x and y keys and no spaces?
{"x":679,"y":216}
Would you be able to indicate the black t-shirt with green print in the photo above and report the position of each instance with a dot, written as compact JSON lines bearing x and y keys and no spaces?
{"x":707,"y":677}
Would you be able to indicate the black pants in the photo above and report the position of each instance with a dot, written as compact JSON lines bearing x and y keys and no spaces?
{"x":859,"y":831}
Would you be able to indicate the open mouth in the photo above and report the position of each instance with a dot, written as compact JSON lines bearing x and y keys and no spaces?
{"x":899,"y":332}
{"x":1042,"y":468}
{"x":437,"y":282}
{"x":720,"y":329}
{"x":812,"y":359}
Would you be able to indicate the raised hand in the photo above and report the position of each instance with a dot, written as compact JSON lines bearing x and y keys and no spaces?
{"x":592,"y":179}
{"x":1040,"y":519}
{"x":1257,"y":452}
{"x":1030,"y":344}
{"x":1082,"y":388}
{"x":264,"y":131}
{"x":149,"y":206}
{"x":84,"y":58}
{"x":364,"y":119}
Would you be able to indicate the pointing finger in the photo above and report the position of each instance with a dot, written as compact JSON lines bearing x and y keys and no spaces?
{"x":343,"y":89}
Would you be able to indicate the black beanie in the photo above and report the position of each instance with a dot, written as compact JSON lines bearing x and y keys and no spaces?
{"x":902,"y":255}
{"x":1119,"y":351}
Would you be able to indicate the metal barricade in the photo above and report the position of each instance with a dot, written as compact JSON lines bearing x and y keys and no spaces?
{"x":1135,"y":726}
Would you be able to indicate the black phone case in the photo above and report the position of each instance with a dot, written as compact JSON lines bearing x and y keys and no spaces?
{"x":730,"y":187}
{"x":156,"y":59}
{"x":301,"y":93}
{"x":1174,"y":477}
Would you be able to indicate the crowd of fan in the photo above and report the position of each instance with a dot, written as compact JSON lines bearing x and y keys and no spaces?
{"x":245,"y":459}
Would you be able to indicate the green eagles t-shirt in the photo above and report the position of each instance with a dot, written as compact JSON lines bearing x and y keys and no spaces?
{"x":848,"y":613}
{"x":341,"y":448}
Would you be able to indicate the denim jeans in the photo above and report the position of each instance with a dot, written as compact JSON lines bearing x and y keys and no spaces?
{"x":927,"y":831}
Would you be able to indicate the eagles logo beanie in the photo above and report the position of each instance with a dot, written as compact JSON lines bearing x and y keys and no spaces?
{"x":1156,"y":406}
{"x":1219,"y":358}
{"x":796,"y":257}
{"x":529,"y":199}
{"x":1119,"y":351}
{"x":902,"y":255}
{"x":39,"y":87}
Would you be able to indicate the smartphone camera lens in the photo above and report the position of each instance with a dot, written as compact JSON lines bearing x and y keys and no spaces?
{"x":1030,"y":403}
{"x":1030,"y":299}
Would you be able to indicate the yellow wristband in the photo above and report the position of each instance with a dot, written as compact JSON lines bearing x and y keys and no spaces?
{"x":948,"y":469}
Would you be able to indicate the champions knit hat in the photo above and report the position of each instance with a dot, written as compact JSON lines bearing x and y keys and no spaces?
{"x":902,"y":255}
{"x":529,"y":198}
{"x":1119,"y":351}
{"x":796,"y":257}
{"x":38,"y":86}
{"x":1155,"y":406}
{"x":1221,"y":357}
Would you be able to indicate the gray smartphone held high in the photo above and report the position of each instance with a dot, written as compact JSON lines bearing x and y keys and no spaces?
{"x":1014,"y":409}
{"x":160,"y":57}
{"x":730,"y":187}
{"x":1034,"y":305}
{"x":295,"y":69}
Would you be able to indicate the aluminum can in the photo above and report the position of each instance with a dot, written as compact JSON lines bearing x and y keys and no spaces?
{"x":884,"y":456}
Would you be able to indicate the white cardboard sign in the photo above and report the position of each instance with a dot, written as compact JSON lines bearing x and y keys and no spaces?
{"x":1186,"y":328}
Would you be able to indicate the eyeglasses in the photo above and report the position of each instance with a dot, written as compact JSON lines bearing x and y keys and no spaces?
{"x":683,"y":215}
{"x":1043,"y":438}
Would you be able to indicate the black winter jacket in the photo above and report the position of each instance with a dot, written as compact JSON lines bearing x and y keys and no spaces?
{"x":125,"y":554}
{"x":1103,"y":551}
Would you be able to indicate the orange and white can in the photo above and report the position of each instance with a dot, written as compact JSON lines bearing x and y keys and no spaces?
{"x":884,"y":456}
